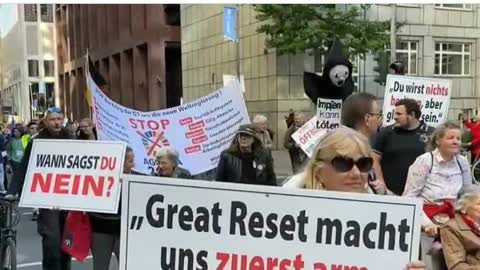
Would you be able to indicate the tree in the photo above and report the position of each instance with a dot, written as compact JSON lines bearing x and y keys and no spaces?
{"x":299,"y":28}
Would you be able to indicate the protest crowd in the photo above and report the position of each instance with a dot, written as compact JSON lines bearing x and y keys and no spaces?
{"x":408,"y":158}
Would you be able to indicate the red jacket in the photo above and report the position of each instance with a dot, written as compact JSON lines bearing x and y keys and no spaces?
{"x":475,"y":131}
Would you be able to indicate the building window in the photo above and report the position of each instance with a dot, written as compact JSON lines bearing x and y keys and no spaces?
{"x":50,"y":94}
{"x":406,"y":52}
{"x":48,"y":67}
{"x":31,"y":12}
{"x":46,"y":13}
{"x":33,"y":68}
{"x":452,"y":59}
{"x":172,"y":12}
{"x":455,"y":6}
{"x":407,"y":5}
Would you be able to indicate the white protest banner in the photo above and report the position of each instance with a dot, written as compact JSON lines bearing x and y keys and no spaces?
{"x":329,"y":113}
{"x":198,"y":130}
{"x":180,"y":224}
{"x":308,"y":136}
{"x":74,"y":175}
{"x":227,"y":78}
{"x":433,"y":95}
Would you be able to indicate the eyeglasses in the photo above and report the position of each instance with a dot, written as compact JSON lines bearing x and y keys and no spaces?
{"x":54,"y":110}
{"x":344,"y":164}
{"x":376,"y":114}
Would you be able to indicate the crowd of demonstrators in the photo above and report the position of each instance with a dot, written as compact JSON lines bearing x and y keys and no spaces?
{"x":397,"y":146}
{"x":354,"y":158}
{"x":246,"y":160}
{"x":298,"y":158}
{"x":168,"y":162}
{"x":341,"y":162}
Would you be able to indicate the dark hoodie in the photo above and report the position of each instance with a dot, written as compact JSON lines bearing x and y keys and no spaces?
{"x":321,"y":86}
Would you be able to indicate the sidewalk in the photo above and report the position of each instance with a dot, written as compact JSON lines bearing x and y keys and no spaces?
{"x":281,"y":163}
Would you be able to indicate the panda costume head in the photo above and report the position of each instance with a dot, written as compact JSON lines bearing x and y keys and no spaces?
{"x":336,"y":81}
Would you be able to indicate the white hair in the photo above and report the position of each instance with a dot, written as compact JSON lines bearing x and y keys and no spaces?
{"x":466,"y":197}
{"x":168,"y":152}
{"x":260,"y":118}
{"x":298,"y":114}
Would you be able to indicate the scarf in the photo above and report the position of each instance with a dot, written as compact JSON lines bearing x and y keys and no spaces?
{"x":472,"y":224}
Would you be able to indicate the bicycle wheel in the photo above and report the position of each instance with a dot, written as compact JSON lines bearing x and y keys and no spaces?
{"x":9,"y":255}
{"x":476,"y":171}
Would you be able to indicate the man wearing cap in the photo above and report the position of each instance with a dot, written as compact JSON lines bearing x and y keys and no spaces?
{"x":50,"y":221}
{"x":246,"y":161}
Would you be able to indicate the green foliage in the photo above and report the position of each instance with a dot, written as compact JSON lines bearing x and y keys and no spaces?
{"x":300,"y":28}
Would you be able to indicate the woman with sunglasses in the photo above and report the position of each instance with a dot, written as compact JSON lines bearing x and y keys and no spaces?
{"x":341,"y":162}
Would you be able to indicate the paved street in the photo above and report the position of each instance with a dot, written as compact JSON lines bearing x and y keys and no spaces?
{"x":29,"y":254}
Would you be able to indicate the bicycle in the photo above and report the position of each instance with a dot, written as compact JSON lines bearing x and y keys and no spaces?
{"x":9,"y":219}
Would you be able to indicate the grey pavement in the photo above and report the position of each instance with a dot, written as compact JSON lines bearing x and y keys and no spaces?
{"x":282,"y":165}
{"x":29,"y":248}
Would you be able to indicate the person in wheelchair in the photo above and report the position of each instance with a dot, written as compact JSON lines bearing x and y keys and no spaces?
{"x":461,"y":234}
{"x":437,"y":176}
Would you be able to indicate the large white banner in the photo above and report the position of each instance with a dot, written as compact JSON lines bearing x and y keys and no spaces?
{"x":198,"y":130}
{"x":181,"y":224}
{"x":74,"y":175}
{"x":433,"y":95}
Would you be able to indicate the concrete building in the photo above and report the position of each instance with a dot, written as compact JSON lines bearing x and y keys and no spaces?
{"x":136,"y":48}
{"x":27,"y":59}
{"x":436,"y":40}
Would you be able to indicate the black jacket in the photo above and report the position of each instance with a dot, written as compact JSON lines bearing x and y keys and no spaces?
{"x":179,"y":173}
{"x":19,"y":176}
{"x":108,"y":223}
{"x":230,"y":168}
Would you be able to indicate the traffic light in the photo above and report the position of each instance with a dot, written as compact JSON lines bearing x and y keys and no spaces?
{"x":381,"y":68}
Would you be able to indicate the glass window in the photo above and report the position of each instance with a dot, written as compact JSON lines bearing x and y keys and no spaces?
{"x":33,"y":68}
{"x":50,"y":92}
{"x":406,"y":52}
{"x":452,"y":59}
{"x":31,"y":12}
{"x":460,"y":6}
{"x":46,"y":13}
{"x":48,"y":67}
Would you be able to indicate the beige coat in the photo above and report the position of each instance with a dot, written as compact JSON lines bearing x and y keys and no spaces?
{"x":461,"y":246}
{"x":264,"y":137}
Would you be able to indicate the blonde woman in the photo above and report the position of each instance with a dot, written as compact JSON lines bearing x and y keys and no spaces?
{"x":342,"y":162}
{"x":438,"y":175}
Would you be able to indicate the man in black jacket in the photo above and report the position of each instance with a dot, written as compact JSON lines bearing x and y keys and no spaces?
{"x":50,"y":221}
